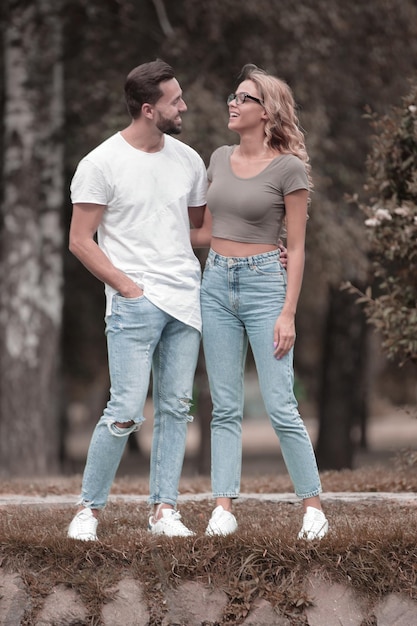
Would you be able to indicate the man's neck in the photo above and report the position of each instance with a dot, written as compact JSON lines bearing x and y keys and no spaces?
{"x":143,"y":138}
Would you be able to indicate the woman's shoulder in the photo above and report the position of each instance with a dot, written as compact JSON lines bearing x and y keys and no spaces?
{"x":291,"y":171}
{"x":291,"y":159}
{"x":289,"y":162}
{"x":223,"y":151}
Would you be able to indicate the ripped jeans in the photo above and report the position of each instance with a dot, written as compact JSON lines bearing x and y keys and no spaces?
{"x":142,"y":338}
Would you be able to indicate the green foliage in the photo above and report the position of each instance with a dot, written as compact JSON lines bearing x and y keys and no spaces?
{"x":391,"y":220}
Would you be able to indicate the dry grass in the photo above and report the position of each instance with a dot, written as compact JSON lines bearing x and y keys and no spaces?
{"x":371,"y":547}
{"x":397,"y":475}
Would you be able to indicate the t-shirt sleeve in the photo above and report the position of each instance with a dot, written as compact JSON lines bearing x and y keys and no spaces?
{"x":89,"y":184}
{"x":294,"y":175}
{"x":212,"y":163}
{"x":210,"y":169}
{"x":198,"y":195}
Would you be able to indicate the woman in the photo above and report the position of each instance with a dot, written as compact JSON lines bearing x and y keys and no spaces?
{"x":247,"y":295}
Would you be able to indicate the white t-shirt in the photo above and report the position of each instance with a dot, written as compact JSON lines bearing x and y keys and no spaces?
{"x":145,"y":229}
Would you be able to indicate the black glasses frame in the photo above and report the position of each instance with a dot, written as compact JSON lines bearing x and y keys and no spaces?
{"x":242,"y":97}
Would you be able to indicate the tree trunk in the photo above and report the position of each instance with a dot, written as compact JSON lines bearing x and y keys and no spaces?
{"x":31,"y":238}
{"x":343,"y":388}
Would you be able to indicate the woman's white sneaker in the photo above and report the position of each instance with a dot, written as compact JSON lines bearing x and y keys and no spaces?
{"x":83,"y":526}
{"x":315,"y":525}
{"x":221,"y":523}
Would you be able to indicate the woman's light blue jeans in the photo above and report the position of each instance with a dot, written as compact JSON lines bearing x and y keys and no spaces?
{"x":241,"y":298}
{"x":142,"y":338}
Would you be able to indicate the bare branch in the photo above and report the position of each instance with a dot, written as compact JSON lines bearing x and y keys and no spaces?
{"x":163,"y":18}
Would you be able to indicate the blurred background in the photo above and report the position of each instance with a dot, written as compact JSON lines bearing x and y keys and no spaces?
{"x":63,"y":65}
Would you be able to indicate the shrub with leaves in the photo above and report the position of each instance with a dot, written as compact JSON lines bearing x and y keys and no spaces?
{"x":391,"y":221}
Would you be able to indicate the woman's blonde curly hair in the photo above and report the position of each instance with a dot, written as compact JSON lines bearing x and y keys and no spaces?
{"x":282,"y":129}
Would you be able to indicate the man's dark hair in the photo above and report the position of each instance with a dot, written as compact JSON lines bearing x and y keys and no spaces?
{"x":143,"y":85}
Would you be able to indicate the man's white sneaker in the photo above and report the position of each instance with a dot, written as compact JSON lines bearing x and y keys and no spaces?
{"x":222,"y":522}
{"x":83,"y":526}
{"x":315,"y":525}
{"x":169,"y":524}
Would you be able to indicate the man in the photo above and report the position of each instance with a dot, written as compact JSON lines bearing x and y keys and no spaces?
{"x":139,"y":190}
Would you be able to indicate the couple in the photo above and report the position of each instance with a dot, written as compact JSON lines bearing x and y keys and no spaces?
{"x":139,"y":190}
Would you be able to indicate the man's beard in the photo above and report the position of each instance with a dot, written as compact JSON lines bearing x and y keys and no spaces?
{"x":167,"y":126}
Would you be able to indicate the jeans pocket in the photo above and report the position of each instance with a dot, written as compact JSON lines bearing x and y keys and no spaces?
{"x":273,"y":269}
{"x":124,"y":299}
{"x":125,"y":311}
{"x":120,"y":303}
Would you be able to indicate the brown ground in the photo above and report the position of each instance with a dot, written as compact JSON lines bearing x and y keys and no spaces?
{"x":371,"y":549}
{"x":370,"y":552}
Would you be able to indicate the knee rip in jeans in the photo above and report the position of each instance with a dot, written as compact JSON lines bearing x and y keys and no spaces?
{"x":119,"y":431}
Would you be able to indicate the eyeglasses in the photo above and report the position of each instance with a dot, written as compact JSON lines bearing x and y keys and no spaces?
{"x":242,"y":97}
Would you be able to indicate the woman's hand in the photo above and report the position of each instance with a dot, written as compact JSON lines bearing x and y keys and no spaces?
{"x":283,"y":255}
{"x":284,"y":335}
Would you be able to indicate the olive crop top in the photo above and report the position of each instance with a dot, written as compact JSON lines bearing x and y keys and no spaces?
{"x":251,"y":209}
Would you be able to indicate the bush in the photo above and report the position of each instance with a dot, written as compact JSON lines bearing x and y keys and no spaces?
{"x":391,"y":221}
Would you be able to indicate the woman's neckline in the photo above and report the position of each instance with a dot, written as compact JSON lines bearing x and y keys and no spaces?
{"x":233,"y":148}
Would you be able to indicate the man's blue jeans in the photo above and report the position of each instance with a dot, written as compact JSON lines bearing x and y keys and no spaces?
{"x":241,"y":299}
{"x":142,"y":338}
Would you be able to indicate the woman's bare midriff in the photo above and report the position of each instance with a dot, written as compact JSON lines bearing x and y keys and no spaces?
{"x":226,"y":247}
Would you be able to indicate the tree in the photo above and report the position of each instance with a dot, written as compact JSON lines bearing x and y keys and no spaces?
{"x":31,"y":238}
{"x":343,"y":399}
{"x":391,"y":220}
